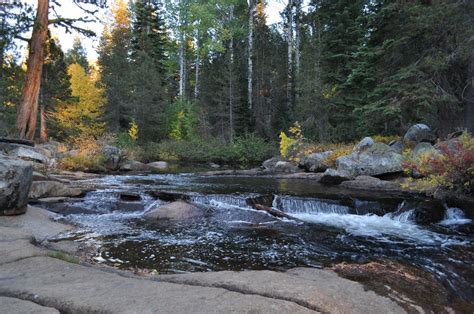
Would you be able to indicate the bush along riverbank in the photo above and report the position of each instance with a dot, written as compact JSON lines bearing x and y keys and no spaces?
{"x":418,"y":162}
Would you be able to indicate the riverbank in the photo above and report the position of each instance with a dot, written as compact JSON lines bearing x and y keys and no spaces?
{"x":31,"y":273}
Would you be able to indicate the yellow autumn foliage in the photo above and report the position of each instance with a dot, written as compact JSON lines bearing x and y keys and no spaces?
{"x":82,"y":119}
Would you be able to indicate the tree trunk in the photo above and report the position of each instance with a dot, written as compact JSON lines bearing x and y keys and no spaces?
{"x":250,"y":52}
{"x":469,"y":122}
{"x":289,"y":38}
{"x":297,"y":36}
{"x":197,"y":65}
{"x":28,"y":108}
{"x":182,"y":64}
{"x":231,"y":84}
{"x":43,"y":127}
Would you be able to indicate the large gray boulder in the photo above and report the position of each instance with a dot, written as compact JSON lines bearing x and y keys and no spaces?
{"x":364,"y":144}
{"x":286,"y":167}
{"x":15,"y":182}
{"x":178,"y":210}
{"x":316,"y":162}
{"x":42,"y":189}
{"x":269,"y":164}
{"x":419,"y":133}
{"x":333,"y":176}
{"x":113,"y":157}
{"x":25,"y":152}
{"x":375,"y":160}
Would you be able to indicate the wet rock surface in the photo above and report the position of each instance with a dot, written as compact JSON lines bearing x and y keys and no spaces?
{"x":415,"y":290}
{"x":178,"y":210}
{"x":34,"y":279}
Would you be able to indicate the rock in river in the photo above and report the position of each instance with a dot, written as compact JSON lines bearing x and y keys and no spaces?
{"x":176,"y":210}
{"x":15,"y":182}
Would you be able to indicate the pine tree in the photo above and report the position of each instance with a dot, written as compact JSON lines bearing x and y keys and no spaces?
{"x":77,"y":54}
{"x":55,"y":84}
{"x":114,"y":62}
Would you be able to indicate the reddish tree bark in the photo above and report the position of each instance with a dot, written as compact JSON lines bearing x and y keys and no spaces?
{"x":28,"y":110}
{"x":43,"y":127}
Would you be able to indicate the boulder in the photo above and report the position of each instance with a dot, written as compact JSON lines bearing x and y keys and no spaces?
{"x":15,"y":182}
{"x":178,"y":210}
{"x":50,"y":148}
{"x":133,"y":165}
{"x":315,"y":162}
{"x":419,"y":133}
{"x":370,"y":183}
{"x":423,"y":147}
{"x":286,"y":166}
{"x":364,"y":144}
{"x":333,"y":176}
{"x":159,"y":165}
{"x":113,"y":156}
{"x":376,"y":160}
{"x":214,"y":165}
{"x":269,"y":164}
{"x":26,"y":153}
{"x":397,"y":146}
{"x":42,"y":189}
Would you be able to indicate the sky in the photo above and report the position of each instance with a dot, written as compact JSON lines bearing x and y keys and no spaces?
{"x":70,"y":10}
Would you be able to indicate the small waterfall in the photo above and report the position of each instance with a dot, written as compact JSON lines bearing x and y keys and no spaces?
{"x":221,"y":200}
{"x":454,"y":216}
{"x":296,"y":205}
{"x":405,"y":216}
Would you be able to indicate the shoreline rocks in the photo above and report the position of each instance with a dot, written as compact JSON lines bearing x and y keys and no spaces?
{"x":15,"y":181}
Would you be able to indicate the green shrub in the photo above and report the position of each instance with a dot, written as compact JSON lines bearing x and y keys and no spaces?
{"x":246,"y":150}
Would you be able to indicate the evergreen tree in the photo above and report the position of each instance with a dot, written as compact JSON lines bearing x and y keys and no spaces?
{"x":77,"y":54}
{"x":150,"y":33}
{"x":55,"y":84}
{"x":114,"y":62}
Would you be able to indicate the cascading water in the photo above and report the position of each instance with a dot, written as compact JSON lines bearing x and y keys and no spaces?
{"x":293,"y":205}
{"x":234,"y":236}
{"x":454,"y":216}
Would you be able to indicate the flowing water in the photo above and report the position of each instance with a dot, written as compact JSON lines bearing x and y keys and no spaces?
{"x":329,"y":227}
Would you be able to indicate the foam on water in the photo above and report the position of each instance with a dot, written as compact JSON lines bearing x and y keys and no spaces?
{"x":386,"y":228}
{"x":454,"y":216}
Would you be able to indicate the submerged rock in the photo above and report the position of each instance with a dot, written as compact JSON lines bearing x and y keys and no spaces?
{"x":316,"y":162}
{"x":15,"y":182}
{"x":178,"y":210}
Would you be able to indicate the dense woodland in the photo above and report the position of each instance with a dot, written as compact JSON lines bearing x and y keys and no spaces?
{"x":215,"y":70}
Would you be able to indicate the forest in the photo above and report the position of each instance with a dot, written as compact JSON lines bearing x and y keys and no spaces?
{"x":184,"y":72}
